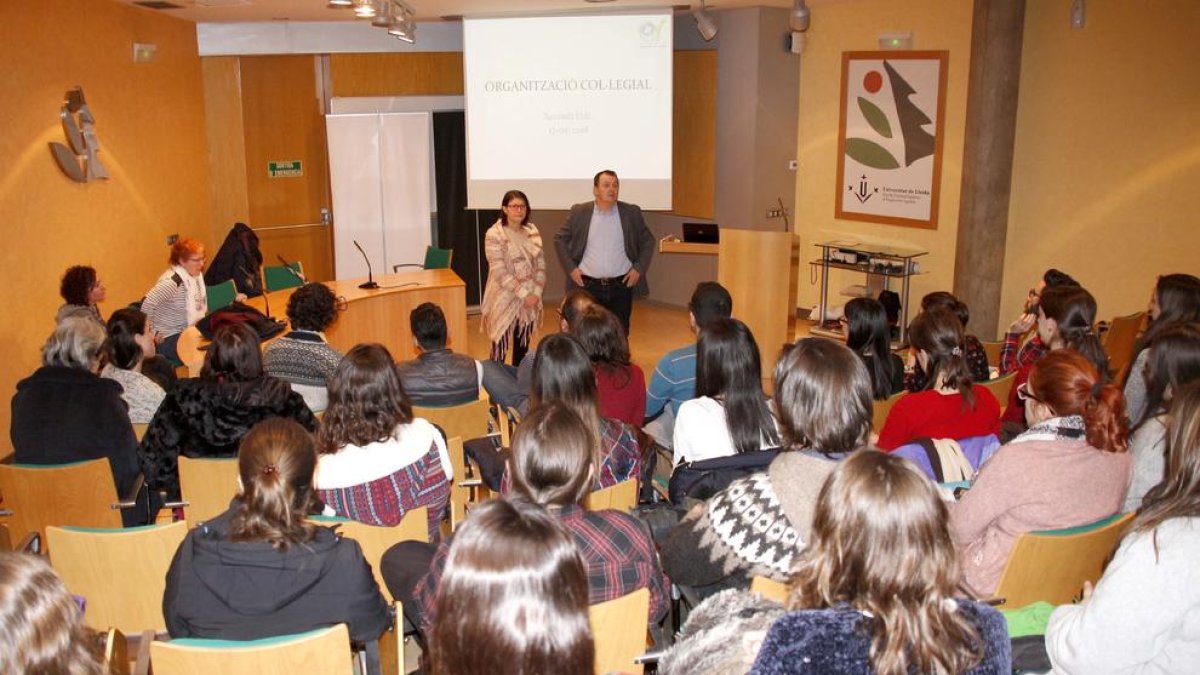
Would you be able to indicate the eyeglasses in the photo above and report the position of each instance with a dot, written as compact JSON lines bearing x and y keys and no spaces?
{"x":1023,"y":393}
{"x":516,"y":207}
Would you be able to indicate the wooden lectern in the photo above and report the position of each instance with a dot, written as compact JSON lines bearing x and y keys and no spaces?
{"x":759,"y":269}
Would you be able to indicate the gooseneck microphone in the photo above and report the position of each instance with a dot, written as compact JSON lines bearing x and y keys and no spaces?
{"x":370,"y":282}
{"x":261,"y":280}
{"x":291,"y":269}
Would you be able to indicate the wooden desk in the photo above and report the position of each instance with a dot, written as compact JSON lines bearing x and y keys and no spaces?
{"x":379,"y":315}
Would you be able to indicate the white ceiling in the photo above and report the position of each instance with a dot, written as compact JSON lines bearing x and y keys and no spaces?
{"x":223,"y":11}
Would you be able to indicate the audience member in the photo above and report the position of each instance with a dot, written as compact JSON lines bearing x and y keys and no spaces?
{"x":877,"y":589}
{"x":64,"y":412}
{"x":438,"y":376}
{"x":1070,"y":468}
{"x":759,"y":524}
{"x":1175,"y":300}
{"x":512,"y":387}
{"x":552,"y":466}
{"x":179,"y":298}
{"x":260,"y":569}
{"x":1066,"y":319}
{"x":1172,"y":364}
{"x":513,"y":599}
{"x":130,"y":343}
{"x":973,"y":351}
{"x":951,"y":406}
{"x":867,"y":334}
{"x":209,"y":415}
{"x":82,"y":291}
{"x":511,"y":311}
{"x":41,"y":624}
{"x":377,"y":461}
{"x":620,"y":384}
{"x":303,"y":357}
{"x":605,"y":248}
{"x":730,"y":413}
{"x":674,"y":379}
{"x":1014,"y":355}
{"x":1141,"y":616}
{"x":562,"y":372}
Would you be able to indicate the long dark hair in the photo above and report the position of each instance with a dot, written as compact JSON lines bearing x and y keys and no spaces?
{"x":603,"y":338}
{"x":868,"y":334}
{"x":563,"y":372}
{"x":1178,"y":495}
{"x":122,"y":347}
{"x":551,"y":455}
{"x":513,"y":599}
{"x":1173,"y":362}
{"x":1074,"y":312}
{"x":366,"y":400}
{"x":233,"y":356}
{"x":276,"y":461}
{"x":1067,"y":381}
{"x":1178,"y":299}
{"x":728,"y":367}
{"x":939,"y":333}
{"x":881,"y":544}
{"x":823,"y":395}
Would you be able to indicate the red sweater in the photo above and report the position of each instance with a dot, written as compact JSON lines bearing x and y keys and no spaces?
{"x":622,"y":395}
{"x":928,"y":414}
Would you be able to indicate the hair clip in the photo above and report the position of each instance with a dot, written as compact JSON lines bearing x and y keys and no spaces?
{"x":270,"y":469}
{"x":957,"y":351}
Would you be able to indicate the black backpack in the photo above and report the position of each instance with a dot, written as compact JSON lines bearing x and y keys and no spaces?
{"x":707,"y":477}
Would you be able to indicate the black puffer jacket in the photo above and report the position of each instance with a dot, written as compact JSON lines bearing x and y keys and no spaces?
{"x":205,"y":418}
{"x":217,"y":588}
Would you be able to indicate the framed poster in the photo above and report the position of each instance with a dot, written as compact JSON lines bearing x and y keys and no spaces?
{"x":890,"y":137}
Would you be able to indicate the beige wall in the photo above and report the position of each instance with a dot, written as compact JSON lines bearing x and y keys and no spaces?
{"x":1107,"y":146}
{"x":150,"y":122}
{"x":1107,"y":159}
{"x":850,"y":26}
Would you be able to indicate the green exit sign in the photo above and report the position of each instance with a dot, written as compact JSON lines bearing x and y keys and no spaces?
{"x":292,"y":168}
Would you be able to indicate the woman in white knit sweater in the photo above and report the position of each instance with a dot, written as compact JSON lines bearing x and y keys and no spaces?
{"x":1144,"y":614}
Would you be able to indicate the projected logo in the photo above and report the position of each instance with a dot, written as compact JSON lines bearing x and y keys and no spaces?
{"x":653,"y":32}
{"x":79,"y":161}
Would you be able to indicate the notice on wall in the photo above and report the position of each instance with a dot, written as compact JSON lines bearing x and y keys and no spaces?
{"x":286,"y":168}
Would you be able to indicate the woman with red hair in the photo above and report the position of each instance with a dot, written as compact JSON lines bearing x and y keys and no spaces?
{"x":1069,"y":468}
{"x":179,"y":298}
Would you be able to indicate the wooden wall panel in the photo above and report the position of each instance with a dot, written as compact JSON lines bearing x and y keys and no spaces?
{"x":416,"y":74}
{"x":694,"y":134}
{"x":226,"y":142}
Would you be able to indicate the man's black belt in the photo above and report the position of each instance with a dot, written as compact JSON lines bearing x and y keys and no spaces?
{"x":605,"y":281}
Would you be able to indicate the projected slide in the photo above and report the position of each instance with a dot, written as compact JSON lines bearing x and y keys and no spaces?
{"x":552,"y":100}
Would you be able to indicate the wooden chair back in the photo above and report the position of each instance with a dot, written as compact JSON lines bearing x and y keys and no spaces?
{"x":881,"y":410}
{"x":1001,"y":388}
{"x":321,"y":652}
{"x":621,"y":497}
{"x":467,"y":488}
{"x":619,"y":630}
{"x":375,"y":540}
{"x":121,"y":573}
{"x":467,"y":420}
{"x":1120,"y":340}
{"x":206,"y":484}
{"x":770,"y":589}
{"x":1052,"y":565}
{"x":116,"y":653}
{"x":139,"y":430}
{"x":992,"y":349}
{"x":81,"y":494}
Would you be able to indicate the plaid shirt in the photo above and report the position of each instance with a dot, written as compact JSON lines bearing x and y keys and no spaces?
{"x":1011,"y":359}
{"x":617,"y":550}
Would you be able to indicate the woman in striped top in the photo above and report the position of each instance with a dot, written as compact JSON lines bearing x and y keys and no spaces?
{"x":178,"y":299}
{"x":377,"y":461}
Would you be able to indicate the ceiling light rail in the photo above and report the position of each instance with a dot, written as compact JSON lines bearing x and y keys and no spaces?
{"x":396,"y":16}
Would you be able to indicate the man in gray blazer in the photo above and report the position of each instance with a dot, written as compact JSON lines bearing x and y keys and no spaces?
{"x":605,"y":248}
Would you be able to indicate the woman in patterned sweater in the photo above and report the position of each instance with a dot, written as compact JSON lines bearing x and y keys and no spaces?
{"x":377,"y":461}
{"x":757,"y":525}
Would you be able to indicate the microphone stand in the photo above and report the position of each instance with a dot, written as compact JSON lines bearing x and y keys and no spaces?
{"x":369,"y":284}
{"x":291,"y":269}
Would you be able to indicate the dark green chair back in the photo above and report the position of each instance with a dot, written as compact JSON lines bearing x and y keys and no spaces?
{"x":279,"y":278}
{"x":221,"y":295}
{"x":438,"y":258}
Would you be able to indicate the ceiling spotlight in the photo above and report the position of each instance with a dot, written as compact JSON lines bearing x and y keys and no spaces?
{"x":704,"y":22}
{"x":800,"y":17}
{"x":364,"y":9}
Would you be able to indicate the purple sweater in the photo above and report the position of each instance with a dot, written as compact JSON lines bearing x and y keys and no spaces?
{"x":1028,"y":486}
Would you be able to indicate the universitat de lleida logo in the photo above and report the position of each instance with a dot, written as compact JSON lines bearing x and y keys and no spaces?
{"x":918,"y":143}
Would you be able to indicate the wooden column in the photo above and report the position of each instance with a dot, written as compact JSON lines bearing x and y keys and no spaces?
{"x":987,"y":159}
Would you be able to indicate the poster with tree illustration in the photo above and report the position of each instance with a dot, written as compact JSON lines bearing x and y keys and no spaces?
{"x":890,"y":137}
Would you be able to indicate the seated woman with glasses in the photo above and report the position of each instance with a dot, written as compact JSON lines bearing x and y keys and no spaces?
{"x":1069,"y":468}
{"x":303,"y":357}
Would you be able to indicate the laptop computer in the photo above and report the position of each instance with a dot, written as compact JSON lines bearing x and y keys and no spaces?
{"x":701,"y":233}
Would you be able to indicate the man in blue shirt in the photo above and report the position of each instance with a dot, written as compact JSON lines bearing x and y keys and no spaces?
{"x":674,"y":379}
